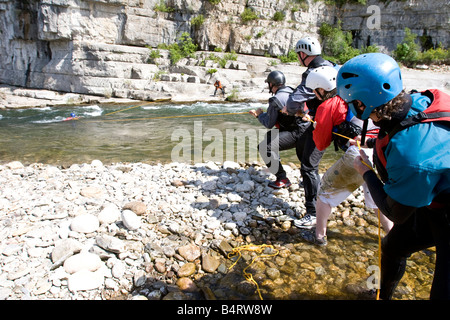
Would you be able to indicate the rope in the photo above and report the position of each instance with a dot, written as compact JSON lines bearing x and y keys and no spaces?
{"x":378,"y":210}
{"x":379,"y":251}
{"x":379,"y":225}
{"x":253,"y":248}
{"x":170,"y":117}
{"x":153,"y":118}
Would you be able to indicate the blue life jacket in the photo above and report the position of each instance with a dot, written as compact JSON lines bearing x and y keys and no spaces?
{"x":414,"y":158}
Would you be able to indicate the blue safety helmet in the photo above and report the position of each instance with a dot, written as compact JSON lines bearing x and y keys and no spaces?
{"x":73,"y":115}
{"x":372,"y":78}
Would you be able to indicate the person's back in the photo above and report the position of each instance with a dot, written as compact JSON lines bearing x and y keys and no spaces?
{"x":415,"y":156}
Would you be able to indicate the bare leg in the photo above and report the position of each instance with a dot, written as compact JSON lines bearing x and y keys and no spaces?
{"x":323,"y":211}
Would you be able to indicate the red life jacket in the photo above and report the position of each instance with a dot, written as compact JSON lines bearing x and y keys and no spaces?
{"x":439,"y":110}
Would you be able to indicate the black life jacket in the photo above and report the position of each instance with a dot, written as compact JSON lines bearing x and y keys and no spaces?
{"x":438,"y":110}
{"x":346,"y":128}
{"x":284,"y":121}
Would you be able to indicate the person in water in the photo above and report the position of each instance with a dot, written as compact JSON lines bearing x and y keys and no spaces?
{"x":412,"y":158}
{"x":284,"y":135}
{"x":73,"y":116}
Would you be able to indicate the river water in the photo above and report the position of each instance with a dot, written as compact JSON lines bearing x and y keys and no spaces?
{"x":200,"y":132}
{"x":152,"y":132}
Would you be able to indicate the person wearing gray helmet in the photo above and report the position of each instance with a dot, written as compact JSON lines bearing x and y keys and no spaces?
{"x":283,"y":133}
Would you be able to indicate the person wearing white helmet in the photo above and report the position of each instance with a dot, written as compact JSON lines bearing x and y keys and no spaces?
{"x":309,"y":52}
{"x":333,"y":122}
{"x":301,"y":101}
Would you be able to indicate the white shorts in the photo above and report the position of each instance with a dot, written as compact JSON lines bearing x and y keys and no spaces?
{"x":341,"y":180}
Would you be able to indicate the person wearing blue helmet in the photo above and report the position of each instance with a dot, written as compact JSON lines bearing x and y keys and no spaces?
{"x":72,"y":116}
{"x":412,"y":157}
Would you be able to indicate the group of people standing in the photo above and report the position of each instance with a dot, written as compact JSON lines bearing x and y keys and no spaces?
{"x":363,"y":104}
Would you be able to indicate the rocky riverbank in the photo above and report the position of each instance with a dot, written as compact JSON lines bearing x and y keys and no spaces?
{"x":139,"y":231}
{"x":244,"y":86}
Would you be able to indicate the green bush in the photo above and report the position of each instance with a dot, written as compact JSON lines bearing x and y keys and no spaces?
{"x":408,"y":52}
{"x":337,"y":44}
{"x":154,"y":54}
{"x":436,"y":56}
{"x":214,"y":2}
{"x":290,"y":57}
{"x":183,"y":49}
{"x":278,"y":16}
{"x":248,"y":15}
{"x":162,"y":7}
{"x":198,"y":20}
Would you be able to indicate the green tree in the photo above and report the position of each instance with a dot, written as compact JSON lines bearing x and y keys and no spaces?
{"x":337,"y":44}
{"x":407,"y":52}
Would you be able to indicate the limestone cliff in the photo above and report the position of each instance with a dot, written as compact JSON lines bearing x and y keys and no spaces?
{"x":101,"y":46}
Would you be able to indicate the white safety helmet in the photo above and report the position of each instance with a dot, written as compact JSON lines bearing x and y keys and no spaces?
{"x":322,"y":77}
{"x":309,"y":45}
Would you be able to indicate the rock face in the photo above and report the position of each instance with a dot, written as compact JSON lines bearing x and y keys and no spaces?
{"x":101,"y":47}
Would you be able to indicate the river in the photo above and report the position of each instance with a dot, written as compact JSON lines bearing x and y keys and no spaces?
{"x":146,"y":132}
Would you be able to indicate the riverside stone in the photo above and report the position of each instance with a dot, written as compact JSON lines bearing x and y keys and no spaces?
{"x":110,"y":243}
{"x":65,"y":247}
{"x":33,"y":247}
{"x":82,"y":261}
{"x":130,"y":220}
{"x":85,"y":280}
{"x":92,"y":192}
{"x":85,"y":223}
{"x":137,"y":207}
{"x":189,"y":252}
{"x":210,"y":263}
{"x":109,"y":214}
{"x":187,"y":270}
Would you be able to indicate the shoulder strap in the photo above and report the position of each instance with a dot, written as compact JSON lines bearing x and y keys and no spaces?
{"x":276,"y":101}
{"x":439,"y":110}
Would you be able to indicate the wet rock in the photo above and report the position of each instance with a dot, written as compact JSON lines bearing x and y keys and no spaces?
{"x":187,"y":285}
{"x":210,"y":263}
{"x":187,"y":270}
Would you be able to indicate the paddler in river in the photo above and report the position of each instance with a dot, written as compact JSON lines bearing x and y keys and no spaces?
{"x":284,"y":135}
{"x":73,"y":116}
